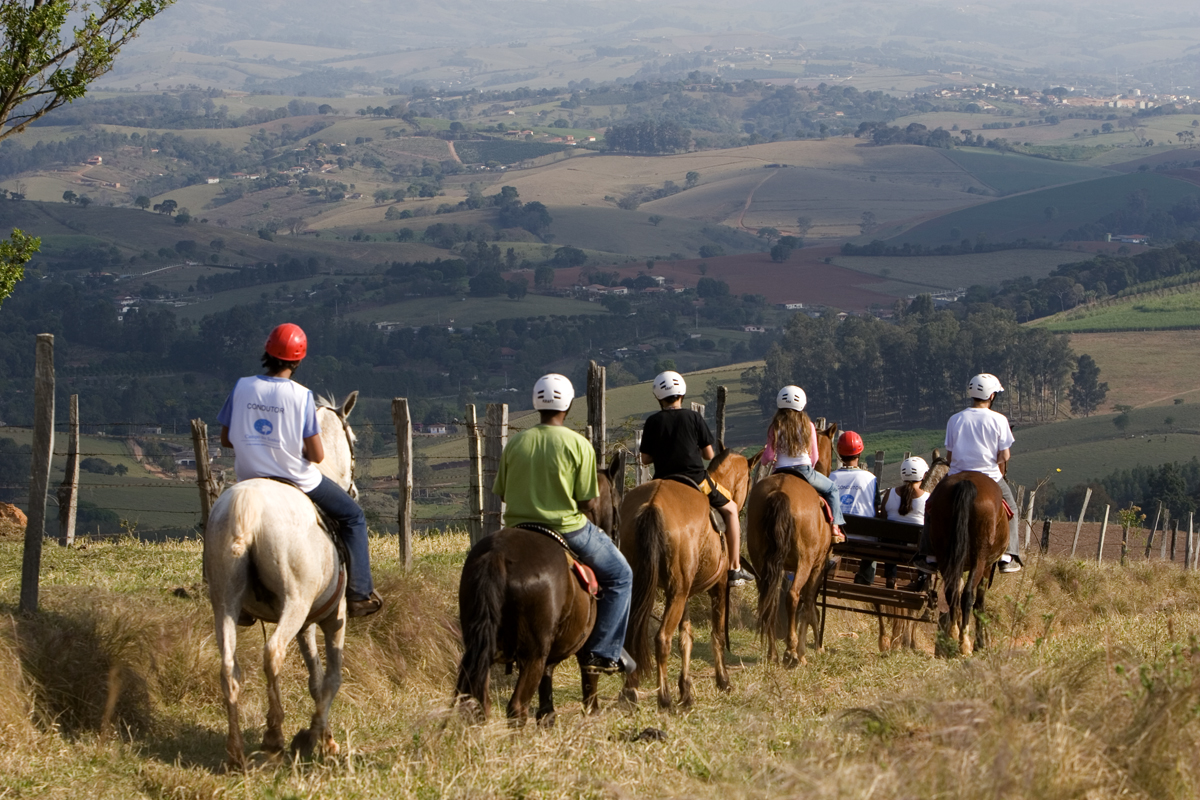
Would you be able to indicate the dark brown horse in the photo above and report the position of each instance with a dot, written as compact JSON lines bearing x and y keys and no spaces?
{"x":670,"y":542}
{"x":968,"y":532}
{"x":519,"y":604}
{"x":786,"y":530}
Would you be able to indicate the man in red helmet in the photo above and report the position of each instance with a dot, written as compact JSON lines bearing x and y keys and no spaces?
{"x":270,"y":422}
{"x":856,"y":490}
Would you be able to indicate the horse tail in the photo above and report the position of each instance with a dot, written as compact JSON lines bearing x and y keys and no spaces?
{"x":779,"y":530}
{"x":962,"y":500}
{"x":481,"y":600}
{"x":649,"y":532}
{"x":236,"y":523}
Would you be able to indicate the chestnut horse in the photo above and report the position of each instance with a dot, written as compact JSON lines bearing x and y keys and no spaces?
{"x":519,"y":603}
{"x":670,"y":542}
{"x":968,"y":532}
{"x":786,"y":530}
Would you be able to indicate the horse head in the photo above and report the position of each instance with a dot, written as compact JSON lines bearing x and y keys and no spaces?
{"x":603,"y":512}
{"x":338,"y":440}
{"x":938,"y":469}
{"x":731,"y":469}
{"x":825,"y":440}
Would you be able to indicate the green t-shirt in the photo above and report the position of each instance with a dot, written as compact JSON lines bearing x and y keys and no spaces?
{"x":544,"y":472}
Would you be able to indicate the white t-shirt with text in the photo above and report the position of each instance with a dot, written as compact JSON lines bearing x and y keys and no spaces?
{"x":974,"y":436}
{"x":855,"y":491}
{"x":268,"y":421}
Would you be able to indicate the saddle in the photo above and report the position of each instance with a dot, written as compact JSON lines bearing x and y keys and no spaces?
{"x":582,"y":572}
{"x":795,"y":473}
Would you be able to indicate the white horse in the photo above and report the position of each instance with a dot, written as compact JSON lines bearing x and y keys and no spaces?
{"x":266,"y":557}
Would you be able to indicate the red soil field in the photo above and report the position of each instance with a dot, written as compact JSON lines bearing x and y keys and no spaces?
{"x":805,"y":278}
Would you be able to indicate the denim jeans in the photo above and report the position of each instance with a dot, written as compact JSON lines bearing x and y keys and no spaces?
{"x":352,"y":527}
{"x":825,"y":487}
{"x":594,"y":547}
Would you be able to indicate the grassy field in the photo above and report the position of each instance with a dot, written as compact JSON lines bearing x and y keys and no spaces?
{"x":472,"y":310}
{"x":1087,"y":692}
{"x":1142,"y":368}
{"x":1163,"y":310}
{"x":950,"y":272}
{"x":1025,"y":216}
{"x":1009,"y":173}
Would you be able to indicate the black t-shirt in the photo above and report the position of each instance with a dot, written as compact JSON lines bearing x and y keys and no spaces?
{"x":674,"y":439}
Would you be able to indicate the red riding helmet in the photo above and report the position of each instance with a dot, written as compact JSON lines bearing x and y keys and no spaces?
{"x":287,"y":343}
{"x":850,"y":444}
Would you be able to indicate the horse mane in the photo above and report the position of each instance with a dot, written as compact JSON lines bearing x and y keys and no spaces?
{"x":326,"y":401}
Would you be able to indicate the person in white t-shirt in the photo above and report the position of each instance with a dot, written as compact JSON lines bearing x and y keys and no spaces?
{"x":270,"y":423}
{"x":855,"y":485}
{"x":980,"y":440}
{"x":906,"y":503}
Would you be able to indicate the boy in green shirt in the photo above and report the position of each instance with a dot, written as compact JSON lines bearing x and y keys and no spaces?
{"x":546,"y":473}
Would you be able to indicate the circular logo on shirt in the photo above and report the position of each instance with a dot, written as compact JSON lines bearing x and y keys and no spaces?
{"x":264,"y":427}
{"x":847,"y":499}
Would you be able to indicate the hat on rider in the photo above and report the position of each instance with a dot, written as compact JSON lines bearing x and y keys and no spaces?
{"x":287,"y":343}
{"x":850,"y":444}
{"x":553,"y":392}
{"x":913,"y":468}
{"x":983,"y":386}
{"x":669,"y":384}
{"x":792,"y":397}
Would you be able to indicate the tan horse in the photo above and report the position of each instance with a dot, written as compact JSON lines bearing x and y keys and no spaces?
{"x":670,"y":542}
{"x":968,"y":532}
{"x":786,"y":530}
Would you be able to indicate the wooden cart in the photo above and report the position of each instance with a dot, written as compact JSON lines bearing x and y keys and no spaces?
{"x":886,"y":542}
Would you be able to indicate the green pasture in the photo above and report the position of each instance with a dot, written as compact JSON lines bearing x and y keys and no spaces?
{"x":1009,"y":173}
{"x":472,"y":310}
{"x":1172,"y":309}
{"x":1026,"y":216}
{"x":630,"y":233}
{"x":950,"y":272}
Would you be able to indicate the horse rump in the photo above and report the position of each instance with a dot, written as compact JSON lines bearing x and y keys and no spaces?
{"x":778,"y":532}
{"x":480,"y":604}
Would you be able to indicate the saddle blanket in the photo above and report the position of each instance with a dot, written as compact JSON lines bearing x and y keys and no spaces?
{"x":585,"y":575}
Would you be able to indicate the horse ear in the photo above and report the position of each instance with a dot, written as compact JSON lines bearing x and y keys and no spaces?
{"x":754,"y":459}
{"x":936,"y":455}
{"x":832,"y":430}
{"x":720,"y":446}
{"x":348,"y":404}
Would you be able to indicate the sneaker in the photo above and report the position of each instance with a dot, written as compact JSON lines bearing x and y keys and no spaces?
{"x":596,"y":664}
{"x":1008,"y":565}
{"x":246,"y":619}
{"x":365,"y":607}
{"x":739,"y":577}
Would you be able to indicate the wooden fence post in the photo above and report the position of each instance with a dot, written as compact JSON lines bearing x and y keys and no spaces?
{"x":1189,"y":553}
{"x":1162,"y":541}
{"x":1020,"y":498}
{"x":640,"y":470}
{"x":596,"y":410}
{"x":1029,"y":518}
{"x":475,"y":481}
{"x":722,"y":398}
{"x":204,"y":479}
{"x":1079,"y":524}
{"x":1103,"y":528}
{"x":1046,"y":536}
{"x":1174,"y":536}
{"x":1124,"y":543}
{"x":1153,"y":528}
{"x":39,"y":471}
{"x":402,"y":422}
{"x":495,"y":437}
{"x":700,"y":408}
{"x":878,"y":466}
{"x":68,"y":491}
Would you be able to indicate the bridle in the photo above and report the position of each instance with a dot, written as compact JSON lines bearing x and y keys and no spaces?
{"x":353,"y":490}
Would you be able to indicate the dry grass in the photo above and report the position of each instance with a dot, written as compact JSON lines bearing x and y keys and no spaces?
{"x":1090,"y":690}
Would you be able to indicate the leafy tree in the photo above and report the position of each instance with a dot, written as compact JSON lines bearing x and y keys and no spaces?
{"x":711,"y":250}
{"x":14,"y":255}
{"x":655,"y":219}
{"x":488,"y":283}
{"x":568,"y":257}
{"x":712,"y":288}
{"x":69,"y":196}
{"x":517,"y":288}
{"x":1121,"y":421}
{"x":142,"y":202}
{"x":781,"y":252}
{"x":691,"y":179}
{"x":868,"y":223}
{"x":1087,"y":392}
{"x":803,"y":225}
{"x":543,"y":276}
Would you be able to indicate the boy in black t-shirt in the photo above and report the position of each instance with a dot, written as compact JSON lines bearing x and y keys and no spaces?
{"x":675,"y":441}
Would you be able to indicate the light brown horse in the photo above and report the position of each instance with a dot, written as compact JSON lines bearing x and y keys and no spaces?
{"x":786,"y":530}
{"x":968,"y":532}
{"x":670,"y":543}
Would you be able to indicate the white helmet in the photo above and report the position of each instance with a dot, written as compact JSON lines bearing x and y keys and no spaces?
{"x":553,"y":392}
{"x":669,"y":384}
{"x":983,"y":386}
{"x":792,"y":397}
{"x":913,"y":469}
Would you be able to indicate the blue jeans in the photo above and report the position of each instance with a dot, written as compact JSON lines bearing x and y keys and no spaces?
{"x":825,"y":487}
{"x":352,"y":527}
{"x":594,"y":548}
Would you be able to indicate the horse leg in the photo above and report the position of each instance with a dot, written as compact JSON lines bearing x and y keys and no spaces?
{"x":967,"y":602}
{"x":231,"y":685}
{"x":532,"y":673}
{"x":885,"y":641}
{"x":790,"y":656}
{"x":274,"y":653}
{"x":685,"y":652}
{"x":322,"y":685}
{"x":981,"y":623}
{"x":673,"y":608}
{"x":719,"y":593}
{"x":545,"y":710}
{"x":808,"y":613}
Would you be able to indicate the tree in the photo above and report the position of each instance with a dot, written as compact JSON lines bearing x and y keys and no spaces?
{"x":691,"y":179}
{"x":868,"y":223}
{"x":803,"y":225}
{"x":1087,"y":392}
{"x":543,"y":276}
{"x":142,"y":202}
{"x":1121,"y":421}
{"x":781,"y":252}
{"x":14,"y":255}
{"x":518,"y":287}
{"x":166,"y":207}
{"x":711,"y":251}
{"x":655,"y":219}
{"x":69,"y":196}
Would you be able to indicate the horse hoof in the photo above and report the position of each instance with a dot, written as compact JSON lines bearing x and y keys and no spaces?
{"x":665,"y":703}
{"x":790,"y":661}
{"x":547,"y":720}
{"x":723,"y":684}
{"x":305,"y":744}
